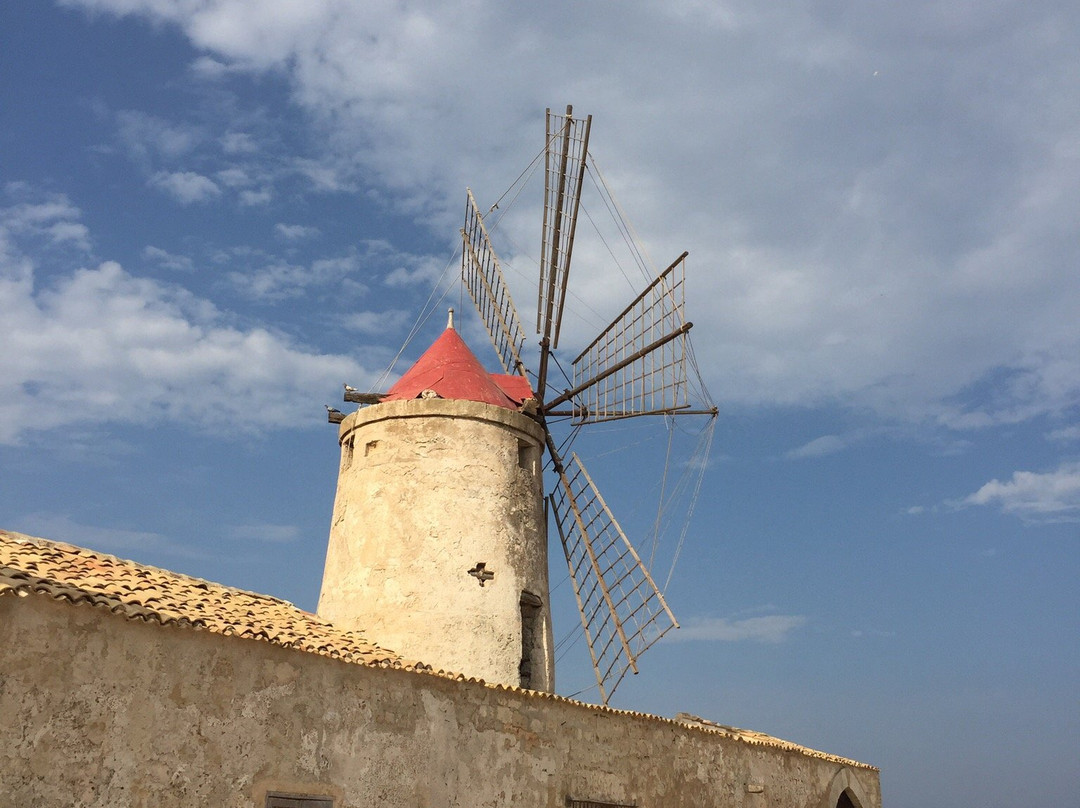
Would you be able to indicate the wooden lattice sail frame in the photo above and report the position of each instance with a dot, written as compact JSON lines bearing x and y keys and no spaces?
{"x":564,"y":173}
{"x":565,"y":151}
{"x":484,"y":281}
{"x":622,"y":611}
{"x":637,"y":365}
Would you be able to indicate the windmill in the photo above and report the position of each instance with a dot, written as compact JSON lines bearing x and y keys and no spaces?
{"x":636,"y":366}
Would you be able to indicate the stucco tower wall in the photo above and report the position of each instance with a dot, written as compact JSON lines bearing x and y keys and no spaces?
{"x":428,"y":490}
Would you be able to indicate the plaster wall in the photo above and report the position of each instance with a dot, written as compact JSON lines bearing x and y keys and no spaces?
{"x":102,"y":711}
{"x":429,"y":489}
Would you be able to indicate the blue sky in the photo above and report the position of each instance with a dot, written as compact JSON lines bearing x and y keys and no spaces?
{"x":214,"y":213}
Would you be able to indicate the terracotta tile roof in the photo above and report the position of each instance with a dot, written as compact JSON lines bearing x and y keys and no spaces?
{"x":30,"y":565}
{"x":452,"y":370}
{"x":753,"y":737}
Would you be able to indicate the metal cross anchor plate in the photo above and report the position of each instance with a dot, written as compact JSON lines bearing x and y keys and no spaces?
{"x":481,"y":573}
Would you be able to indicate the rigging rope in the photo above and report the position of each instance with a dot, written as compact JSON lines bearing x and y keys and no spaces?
{"x":426,"y":313}
{"x":421,"y":319}
{"x":566,"y":377}
{"x":607,"y":246}
{"x":571,"y":637}
{"x":660,"y":500}
{"x":622,"y":221}
{"x":702,"y":465}
{"x":530,"y":169}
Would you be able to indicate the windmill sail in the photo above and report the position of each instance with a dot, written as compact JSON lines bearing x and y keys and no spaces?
{"x":622,"y":611}
{"x":567,"y":147}
{"x":637,"y":365}
{"x":484,"y":279}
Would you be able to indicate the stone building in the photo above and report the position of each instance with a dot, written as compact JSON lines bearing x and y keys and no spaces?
{"x":123,"y":685}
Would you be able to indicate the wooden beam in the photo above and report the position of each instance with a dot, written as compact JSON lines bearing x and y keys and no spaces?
{"x":356,"y":397}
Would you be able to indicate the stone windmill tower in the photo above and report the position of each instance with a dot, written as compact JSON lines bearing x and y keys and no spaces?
{"x":438,"y":545}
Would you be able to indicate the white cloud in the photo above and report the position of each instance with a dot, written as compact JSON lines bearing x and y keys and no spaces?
{"x":271,"y":534}
{"x":233,"y":177}
{"x":324,"y":176}
{"x":149,"y":137}
{"x":59,"y":527}
{"x":295,"y":232}
{"x":27,"y":216}
{"x":54,"y":221}
{"x":873,"y":632}
{"x":770,"y":628}
{"x":98,"y":345}
{"x":185,"y":187}
{"x":281,"y":280}
{"x":167,"y":260}
{"x":840,"y":254}
{"x":1065,"y":434}
{"x":272,"y":279}
{"x":259,"y":197}
{"x":376,"y":323}
{"x":210,"y":69}
{"x":1052,"y":496}
{"x":408,"y":269}
{"x":74,"y":232}
{"x":818,"y":447}
{"x":238,"y":143}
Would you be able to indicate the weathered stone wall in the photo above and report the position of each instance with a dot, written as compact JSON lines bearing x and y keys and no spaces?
{"x":428,"y":489}
{"x":98,"y":710}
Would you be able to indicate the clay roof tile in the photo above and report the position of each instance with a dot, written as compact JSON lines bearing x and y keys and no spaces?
{"x":140,"y":592}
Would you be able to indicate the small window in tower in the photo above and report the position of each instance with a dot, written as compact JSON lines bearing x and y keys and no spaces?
{"x":371,"y":446}
{"x":526,"y":457}
{"x":530,"y":614}
{"x":346,"y":454}
{"x":275,"y":800}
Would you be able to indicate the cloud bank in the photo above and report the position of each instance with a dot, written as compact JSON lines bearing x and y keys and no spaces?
{"x":1052,"y":496}
{"x":96,"y":345}
{"x":879,"y":204}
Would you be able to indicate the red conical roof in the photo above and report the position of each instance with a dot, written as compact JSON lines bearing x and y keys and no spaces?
{"x":450,"y":369}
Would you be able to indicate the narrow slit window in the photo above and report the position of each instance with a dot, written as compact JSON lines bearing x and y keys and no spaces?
{"x":525,"y":456}
{"x":530,"y":617}
{"x":276,"y":800}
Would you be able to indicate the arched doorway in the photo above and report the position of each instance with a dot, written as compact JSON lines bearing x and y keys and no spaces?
{"x":845,"y":792}
{"x":845,"y":800}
